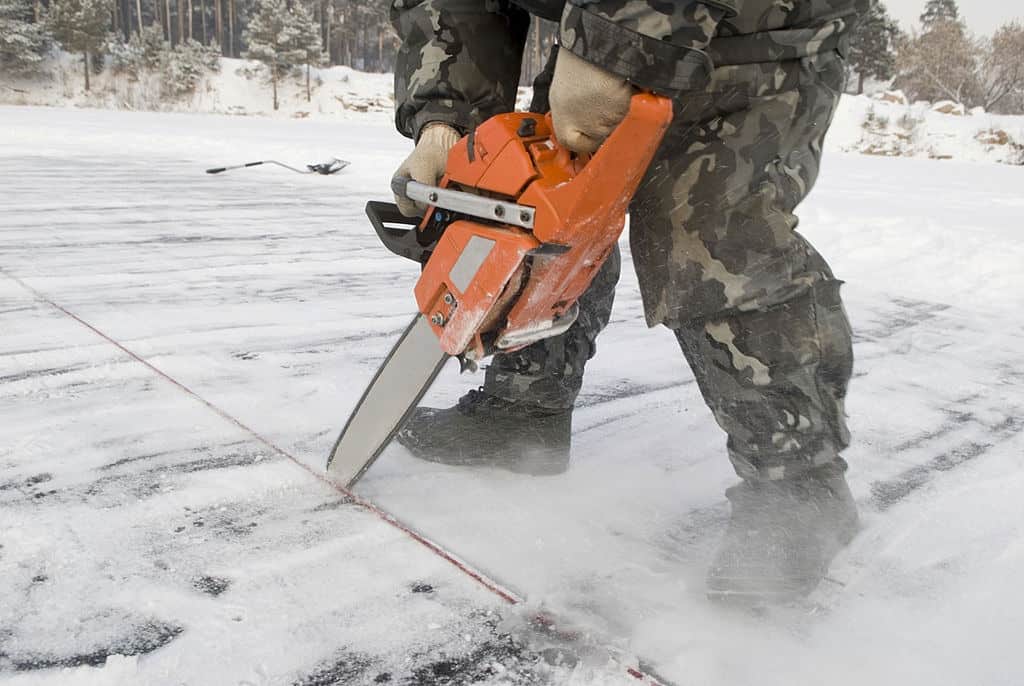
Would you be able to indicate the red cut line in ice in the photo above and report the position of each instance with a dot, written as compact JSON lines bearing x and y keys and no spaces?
{"x":491,"y":585}
{"x":449,"y":557}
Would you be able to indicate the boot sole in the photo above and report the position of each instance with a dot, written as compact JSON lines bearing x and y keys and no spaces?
{"x":517,"y":464}
{"x":748,"y":599}
{"x":517,"y":468}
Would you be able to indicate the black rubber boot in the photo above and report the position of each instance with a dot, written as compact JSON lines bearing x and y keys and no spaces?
{"x":782,"y":536}
{"x":484,"y":430}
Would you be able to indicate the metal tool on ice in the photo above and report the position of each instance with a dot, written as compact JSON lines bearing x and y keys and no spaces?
{"x":510,"y":240}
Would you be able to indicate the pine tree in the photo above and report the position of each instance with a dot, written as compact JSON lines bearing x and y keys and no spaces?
{"x":22,"y":41}
{"x":307,"y":39}
{"x":281,"y":38}
{"x":939,"y":11}
{"x":144,"y":51}
{"x":81,"y":26}
{"x":152,"y":45}
{"x":873,"y":46}
{"x":184,"y":66}
{"x":269,"y":38}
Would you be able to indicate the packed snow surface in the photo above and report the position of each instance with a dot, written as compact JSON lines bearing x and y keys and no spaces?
{"x":148,"y":540}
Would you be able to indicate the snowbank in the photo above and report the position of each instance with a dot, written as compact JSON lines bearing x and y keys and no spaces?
{"x":887,"y":125}
{"x":241,"y":87}
{"x":882,"y":124}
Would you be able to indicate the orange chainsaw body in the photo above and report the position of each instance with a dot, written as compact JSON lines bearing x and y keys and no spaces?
{"x":489,"y":281}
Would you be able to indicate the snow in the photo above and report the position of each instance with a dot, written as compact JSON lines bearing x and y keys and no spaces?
{"x":876,"y":126}
{"x":882,"y":123}
{"x":125,"y":506}
{"x":241,"y":87}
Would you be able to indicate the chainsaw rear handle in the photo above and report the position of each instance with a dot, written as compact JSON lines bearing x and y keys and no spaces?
{"x":396,"y":231}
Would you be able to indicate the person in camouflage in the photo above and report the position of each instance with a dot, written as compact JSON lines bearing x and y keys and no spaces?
{"x":756,"y":310}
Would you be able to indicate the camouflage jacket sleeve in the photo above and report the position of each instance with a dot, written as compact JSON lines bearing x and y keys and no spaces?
{"x":658,"y":45}
{"x":459,"y":61}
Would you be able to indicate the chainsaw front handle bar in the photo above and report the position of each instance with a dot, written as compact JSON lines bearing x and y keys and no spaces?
{"x":648,"y":116}
{"x":470,"y":204}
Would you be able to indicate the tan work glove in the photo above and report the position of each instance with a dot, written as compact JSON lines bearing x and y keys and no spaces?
{"x":587,"y":102}
{"x":426,"y":163}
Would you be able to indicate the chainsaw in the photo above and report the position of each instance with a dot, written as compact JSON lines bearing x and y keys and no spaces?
{"x":512,"y":237}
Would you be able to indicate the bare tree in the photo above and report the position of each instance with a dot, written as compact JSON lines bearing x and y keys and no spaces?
{"x":1002,"y":69}
{"x":939,"y":64}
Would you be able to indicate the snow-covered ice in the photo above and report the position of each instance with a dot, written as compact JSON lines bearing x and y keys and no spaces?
{"x":137,"y":523}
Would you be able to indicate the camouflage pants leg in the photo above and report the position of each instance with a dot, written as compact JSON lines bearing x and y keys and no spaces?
{"x":755,"y":308}
{"x":549,"y":373}
{"x":775,"y":380}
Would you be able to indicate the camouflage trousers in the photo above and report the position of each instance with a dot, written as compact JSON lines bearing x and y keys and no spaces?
{"x":755,"y":308}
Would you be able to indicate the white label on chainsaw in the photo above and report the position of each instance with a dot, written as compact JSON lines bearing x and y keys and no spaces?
{"x":469,"y":262}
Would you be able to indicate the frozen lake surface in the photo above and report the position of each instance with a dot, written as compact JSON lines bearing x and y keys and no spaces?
{"x":147,"y":539}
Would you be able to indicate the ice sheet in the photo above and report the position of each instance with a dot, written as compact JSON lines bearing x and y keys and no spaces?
{"x":268,"y":294}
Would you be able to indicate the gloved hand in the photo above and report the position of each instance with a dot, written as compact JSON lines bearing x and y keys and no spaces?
{"x":426,"y":163}
{"x":587,"y":102}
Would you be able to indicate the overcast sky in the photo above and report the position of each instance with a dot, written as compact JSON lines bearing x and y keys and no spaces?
{"x":982,"y":16}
